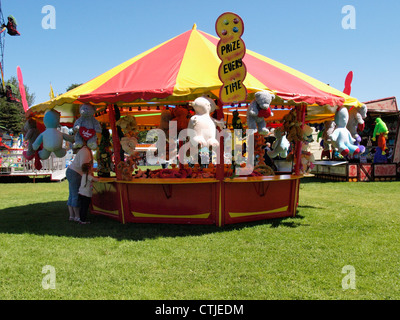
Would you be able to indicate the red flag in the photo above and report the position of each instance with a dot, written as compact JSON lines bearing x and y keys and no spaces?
{"x":347,"y":83}
{"x":22,"y":89}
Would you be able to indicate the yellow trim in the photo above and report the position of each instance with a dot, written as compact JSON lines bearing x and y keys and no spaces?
{"x":295,"y":198}
{"x":114,"y":212}
{"x":247,"y":214}
{"x":198,"y":47}
{"x":150,"y":215}
{"x":164,"y":181}
{"x":281,"y":177}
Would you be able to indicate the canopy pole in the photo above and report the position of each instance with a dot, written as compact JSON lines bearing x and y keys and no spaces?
{"x":220,"y":164}
{"x":220,"y":172}
{"x":116,"y":142}
{"x":301,"y":116}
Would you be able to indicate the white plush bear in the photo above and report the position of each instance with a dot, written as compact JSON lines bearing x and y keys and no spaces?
{"x":329,"y":127}
{"x":306,"y":158}
{"x":307,"y":136}
{"x":258,"y":110}
{"x":203,"y":124}
{"x":85,"y":127}
{"x":280,"y":146}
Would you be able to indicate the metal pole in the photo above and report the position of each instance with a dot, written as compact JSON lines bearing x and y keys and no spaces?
{"x":116,"y":142}
{"x":301,"y":115}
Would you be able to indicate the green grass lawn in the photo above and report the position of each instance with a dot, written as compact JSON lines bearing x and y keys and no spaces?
{"x":337,"y":224}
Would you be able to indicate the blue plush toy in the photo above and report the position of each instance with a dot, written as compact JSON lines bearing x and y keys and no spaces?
{"x":341,"y":136}
{"x":51,"y":138}
{"x":86,"y":127}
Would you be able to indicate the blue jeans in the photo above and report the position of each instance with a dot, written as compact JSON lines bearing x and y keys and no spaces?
{"x":74,"y":181}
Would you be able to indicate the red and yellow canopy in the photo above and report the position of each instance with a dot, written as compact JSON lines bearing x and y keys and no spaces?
{"x":184,"y":67}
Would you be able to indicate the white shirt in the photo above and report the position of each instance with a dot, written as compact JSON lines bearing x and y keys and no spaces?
{"x":83,"y":156}
{"x":86,"y":188}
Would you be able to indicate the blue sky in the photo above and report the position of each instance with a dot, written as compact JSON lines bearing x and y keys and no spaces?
{"x":92,"y":36}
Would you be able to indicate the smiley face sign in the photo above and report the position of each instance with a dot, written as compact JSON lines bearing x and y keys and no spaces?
{"x":231,"y":50}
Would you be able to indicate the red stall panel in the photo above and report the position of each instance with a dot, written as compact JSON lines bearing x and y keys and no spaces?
{"x":171,"y":201}
{"x":257,"y":199}
{"x":106,"y":200}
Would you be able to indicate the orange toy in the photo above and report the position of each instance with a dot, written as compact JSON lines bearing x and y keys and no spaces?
{"x":180,"y":115}
{"x":292,"y":127}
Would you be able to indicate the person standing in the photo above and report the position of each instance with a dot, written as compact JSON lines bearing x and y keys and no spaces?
{"x":74,"y":176}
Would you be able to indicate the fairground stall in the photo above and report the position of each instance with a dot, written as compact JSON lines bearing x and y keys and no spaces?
{"x":381,"y":157}
{"x":162,"y":84}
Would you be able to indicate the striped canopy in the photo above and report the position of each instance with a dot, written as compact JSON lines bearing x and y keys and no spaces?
{"x":185,"y":67}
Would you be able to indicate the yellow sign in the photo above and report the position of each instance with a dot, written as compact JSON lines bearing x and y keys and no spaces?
{"x":231,"y":50}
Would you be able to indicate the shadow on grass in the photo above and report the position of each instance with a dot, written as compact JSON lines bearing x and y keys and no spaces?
{"x":315,"y":179}
{"x":310,"y":207}
{"x":52,"y":219}
{"x":26,"y":179}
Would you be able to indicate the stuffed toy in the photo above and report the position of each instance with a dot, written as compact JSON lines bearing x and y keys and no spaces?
{"x":292,"y":127}
{"x":379,"y":156}
{"x":128,"y":126}
{"x":86,"y":127}
{"x":129,"y":129}
{"x":381,"y":130}
{"x":258,"y":110}
{"x":51,"y":138}
{"x":307,"y":135}
{"x":166,"y":117}
{"x":306,"y":158}
{"x":202,"y":123}
{"x":341,"y":136}
{"x":180,"y":115}
{"x":185,"y":172}
{"x":337,"y":156}
{"x":31,"y":132}
{"x":329,"y":127}
{"x":259,"y":149}
{"x":236,"y":121}
{"x":129,"y":144}
{"x":280,"y":146}
{"x":127,"y":167}
{"x":104,"y":154}
{"x":306,"y":162}
{"x":356,"y":124}
{"x":126,"y":170}
{"x":214,"y":114}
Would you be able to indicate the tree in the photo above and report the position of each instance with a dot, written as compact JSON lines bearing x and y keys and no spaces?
{"x":73,"y":86}
{"x":12,"y":115}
